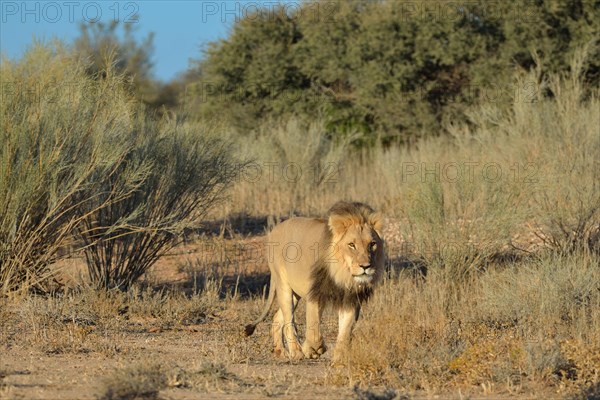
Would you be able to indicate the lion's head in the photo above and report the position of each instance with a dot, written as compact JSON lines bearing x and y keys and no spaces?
{"x":356,"y":243}
{"x":355,"y":257}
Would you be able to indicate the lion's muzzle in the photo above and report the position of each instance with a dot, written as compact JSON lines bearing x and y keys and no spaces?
{"x":366,"y":276}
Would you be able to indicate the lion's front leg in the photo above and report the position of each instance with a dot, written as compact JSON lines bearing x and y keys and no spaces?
{"x":347,"y":318}
{"x":314,"y":345}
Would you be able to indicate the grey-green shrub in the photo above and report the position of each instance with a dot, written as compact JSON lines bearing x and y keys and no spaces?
{"x":60,"y":140}
{"x":80,"y":159}
{"x":187,"y":168}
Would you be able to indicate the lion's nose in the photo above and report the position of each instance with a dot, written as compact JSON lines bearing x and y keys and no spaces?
{"x":365,"y":267}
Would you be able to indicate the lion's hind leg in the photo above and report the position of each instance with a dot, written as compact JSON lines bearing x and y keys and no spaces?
{"x":277,"y":333}
{"x":287,"y":303}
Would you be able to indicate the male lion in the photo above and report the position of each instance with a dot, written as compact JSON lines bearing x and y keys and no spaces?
{"x":334,"y":261}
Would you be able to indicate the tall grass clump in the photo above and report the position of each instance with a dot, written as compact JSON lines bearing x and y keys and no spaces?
{"x":81,"y":161}
{"x":294,"y":168}
{"x":556,"y":289}
{"x":512,"y":289}
{"x":567,"y":208}
{"x":187,"y":169}
{"x":60,"y":141}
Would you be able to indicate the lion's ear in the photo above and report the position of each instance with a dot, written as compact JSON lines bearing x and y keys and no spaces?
{"x":338,"y":224}
{"x":376,"y":221}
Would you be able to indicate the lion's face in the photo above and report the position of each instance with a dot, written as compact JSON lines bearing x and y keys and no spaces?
{"x":358,"y":250}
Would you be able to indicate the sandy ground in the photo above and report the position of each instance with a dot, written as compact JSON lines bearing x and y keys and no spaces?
{"x":33,"y":374}
{"x":30,"y":372}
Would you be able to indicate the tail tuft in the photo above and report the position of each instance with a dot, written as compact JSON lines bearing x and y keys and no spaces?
{"x":249,"y":329}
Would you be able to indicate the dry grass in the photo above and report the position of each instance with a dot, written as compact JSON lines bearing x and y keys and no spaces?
{"x":87,"y":321}
{"x":137,"y":382}
{"x":494,"y":184}
{"x":145,"y":380}
{"x":507,"y":302}
{"x":508,"y":330}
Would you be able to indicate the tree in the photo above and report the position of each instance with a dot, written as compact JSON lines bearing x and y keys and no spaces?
{"x":99,"y":45}
{"x":391,"y":70}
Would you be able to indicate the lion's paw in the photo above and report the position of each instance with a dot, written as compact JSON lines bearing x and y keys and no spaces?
{"x":313,"y":352}
{"x":295,"y":352}
{"x":278,"y":352}
{"x":340,"y":358}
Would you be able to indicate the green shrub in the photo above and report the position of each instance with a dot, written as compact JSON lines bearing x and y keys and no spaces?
{"x":186,"y":170}
{"x":390,"y":70}
{"x":79,"y":159}
{"x":61,"y":140}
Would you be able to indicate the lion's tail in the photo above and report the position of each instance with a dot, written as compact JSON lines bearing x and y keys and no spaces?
{"x":249,"y":329}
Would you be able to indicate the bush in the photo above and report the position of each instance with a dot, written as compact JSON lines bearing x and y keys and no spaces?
{"x":390,"y":70}
{"x":79,"y":159}
{"x":61,"y":141}
{"x":568,"y":209}
{"x":186,"y":170}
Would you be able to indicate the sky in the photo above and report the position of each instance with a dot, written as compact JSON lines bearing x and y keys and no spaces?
{"x":181,"y":28}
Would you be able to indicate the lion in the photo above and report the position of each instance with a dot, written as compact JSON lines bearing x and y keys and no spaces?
{"x":331,"y":262}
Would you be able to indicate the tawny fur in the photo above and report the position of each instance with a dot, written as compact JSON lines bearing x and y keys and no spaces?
{"x":335,"y":262}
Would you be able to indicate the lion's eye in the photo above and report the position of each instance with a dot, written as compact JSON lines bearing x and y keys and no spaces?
{"x":373,"y":246}
{"x":352,"y":246}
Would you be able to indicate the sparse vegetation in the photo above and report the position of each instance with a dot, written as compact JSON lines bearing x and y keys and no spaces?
{"x":58,"y":146}
{"x":493,"y":231}
{"x":137,"y":382}
{"x":81,"y":161}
